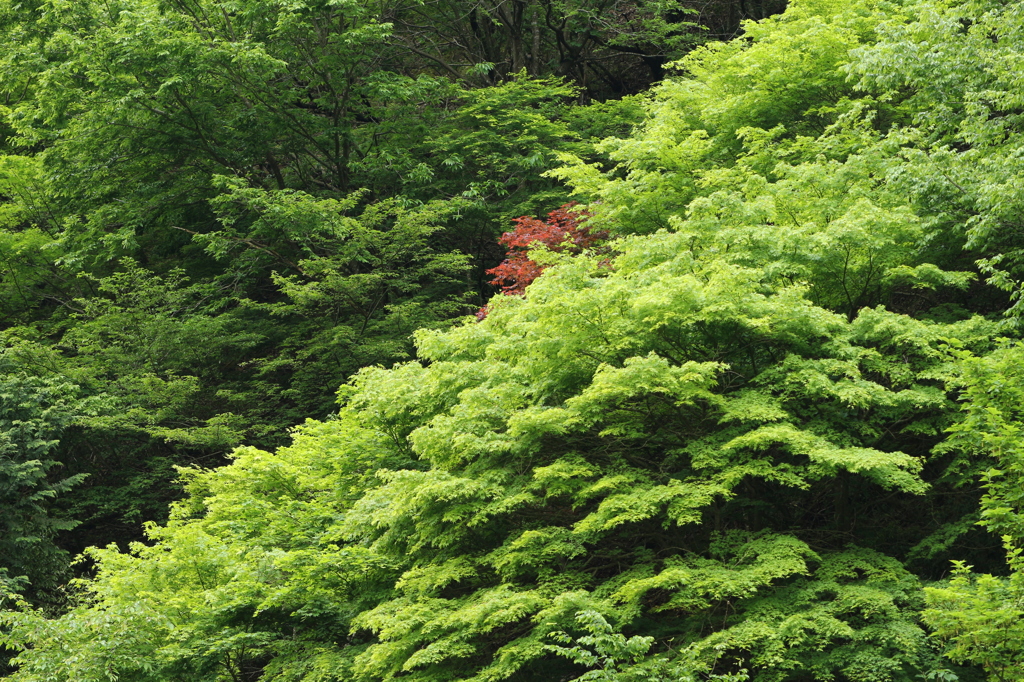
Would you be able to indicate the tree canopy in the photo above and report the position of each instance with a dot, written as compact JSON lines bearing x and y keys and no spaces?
{"x":747,"y":406}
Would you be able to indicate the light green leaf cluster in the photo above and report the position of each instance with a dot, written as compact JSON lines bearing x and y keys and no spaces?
{"x":769,"y":154}
{"x":951,"y":68}
{"x":979,"y":616}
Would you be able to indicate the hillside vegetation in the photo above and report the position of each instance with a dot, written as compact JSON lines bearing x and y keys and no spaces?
{"x":758,"y":414}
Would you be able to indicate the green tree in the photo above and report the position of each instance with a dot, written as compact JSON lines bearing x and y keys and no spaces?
{"x":672,"y":442}
{"x":36,"y":409}
{"x":958,"y":161}
{"x":979,"y":617}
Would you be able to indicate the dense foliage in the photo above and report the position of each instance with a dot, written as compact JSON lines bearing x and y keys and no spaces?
{"x":214,"y":214}
{"x":751,"y":411}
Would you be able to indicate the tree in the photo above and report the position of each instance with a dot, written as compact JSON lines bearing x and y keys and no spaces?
{"x":958,"y":160}
{"x":979,"y":617}
{"x":219,"y":212}
{"x":646,"y":441}
{"x":36,"y":409}
{"x":563,"y":231}
{"x":608,"y":48}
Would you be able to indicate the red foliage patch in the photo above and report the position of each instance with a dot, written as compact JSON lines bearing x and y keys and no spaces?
{"x":564,"y":230}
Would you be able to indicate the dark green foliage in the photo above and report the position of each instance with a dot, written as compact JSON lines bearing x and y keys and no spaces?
{"x":36,"y":408}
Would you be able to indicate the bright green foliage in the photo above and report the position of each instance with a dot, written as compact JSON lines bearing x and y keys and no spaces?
{"x":291,"y":498}
{"x":955,"y":68}
{"x":795,"y":184}
{"x":855,"y":617}
{"x":646,"y":442}
{"x":787,"y":84}
{"x":981,"y":618}
{"x":610,"y":649}
{"x":35,"y":410}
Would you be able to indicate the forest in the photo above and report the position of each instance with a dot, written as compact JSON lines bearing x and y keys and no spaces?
{"x":525,"y":340}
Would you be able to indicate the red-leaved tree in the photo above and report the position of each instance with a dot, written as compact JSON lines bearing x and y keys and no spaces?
{"x":564,"y":230}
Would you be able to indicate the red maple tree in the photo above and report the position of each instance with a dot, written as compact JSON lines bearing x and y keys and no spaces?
{"x":564,"y":230}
